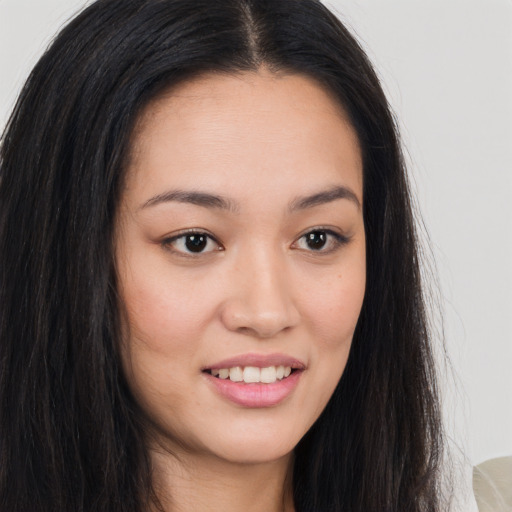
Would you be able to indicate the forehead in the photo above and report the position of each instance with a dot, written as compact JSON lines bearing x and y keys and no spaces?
{"x":257,"y":128}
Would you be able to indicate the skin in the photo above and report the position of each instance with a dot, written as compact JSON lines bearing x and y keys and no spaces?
{"x":261,"y":141}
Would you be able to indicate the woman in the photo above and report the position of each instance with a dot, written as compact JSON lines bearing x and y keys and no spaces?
{"x":204,"y":210}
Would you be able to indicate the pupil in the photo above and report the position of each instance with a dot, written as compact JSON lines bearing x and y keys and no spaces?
{"x":316,"y":239}
{"x":196,"y":243}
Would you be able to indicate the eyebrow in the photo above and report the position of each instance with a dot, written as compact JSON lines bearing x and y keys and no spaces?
{"x":192,"y":197}
{"x":326,"y":196}
{"x":214,"y":201}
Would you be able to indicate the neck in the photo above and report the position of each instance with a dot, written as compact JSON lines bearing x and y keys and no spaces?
{"x":206,"y":483}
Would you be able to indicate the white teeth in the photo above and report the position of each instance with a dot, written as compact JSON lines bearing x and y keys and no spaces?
{"x":253,"y":374}
{"x":224,"y":373}
{"x":236,"y":374}
{"x":268,"y":375}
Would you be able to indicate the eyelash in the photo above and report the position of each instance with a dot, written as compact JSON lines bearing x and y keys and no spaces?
{"x":336,"y":240}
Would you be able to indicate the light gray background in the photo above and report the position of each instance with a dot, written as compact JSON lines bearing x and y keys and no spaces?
{"x":447,"y":68}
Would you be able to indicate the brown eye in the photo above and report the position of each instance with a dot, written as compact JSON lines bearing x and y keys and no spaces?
{"x":192,"y":243}
{"x":316,"y":240}
{"x":196,"y":243}
{"x":323,"y":241}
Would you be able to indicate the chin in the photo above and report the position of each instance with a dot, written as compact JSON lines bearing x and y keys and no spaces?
{"x":254,"y":453}
{"x":251,"y":447}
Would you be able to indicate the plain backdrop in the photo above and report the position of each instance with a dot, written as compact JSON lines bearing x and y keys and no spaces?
{"x":446,"y":66}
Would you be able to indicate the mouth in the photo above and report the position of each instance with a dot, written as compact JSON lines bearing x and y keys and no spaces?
{"x":253,"y":386}
{"x":253,"y":374}
{"x":255,"y":380}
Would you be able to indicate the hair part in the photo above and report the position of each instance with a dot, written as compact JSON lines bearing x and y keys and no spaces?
{"x":70,"y":430}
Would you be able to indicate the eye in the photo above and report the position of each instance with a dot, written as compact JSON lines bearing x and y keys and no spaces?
{"x":321,"y":240}
{"x":191,"y":243}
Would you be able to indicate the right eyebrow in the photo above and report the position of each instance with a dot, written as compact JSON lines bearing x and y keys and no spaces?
{"x":193,"y":197}
{"x":325,"y":196}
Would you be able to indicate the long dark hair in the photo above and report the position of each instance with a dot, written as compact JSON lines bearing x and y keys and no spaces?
{"x":70,"y":439}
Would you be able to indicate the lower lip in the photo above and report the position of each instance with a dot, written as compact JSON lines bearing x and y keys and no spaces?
{"x":255,"y":394}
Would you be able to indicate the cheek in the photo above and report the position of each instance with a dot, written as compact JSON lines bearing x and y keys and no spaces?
{"x":162,"y":342}
{"x":334,"y":305}
{"x":165,"y":313}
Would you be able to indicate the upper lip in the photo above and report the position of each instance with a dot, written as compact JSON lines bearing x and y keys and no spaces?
{"x":259,"y":361}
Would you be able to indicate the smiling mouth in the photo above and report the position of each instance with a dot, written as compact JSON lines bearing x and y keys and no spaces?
{"x":253,"y":374}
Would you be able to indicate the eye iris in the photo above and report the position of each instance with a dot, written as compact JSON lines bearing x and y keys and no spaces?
{"x":196,"y":243}
{"x":316,"y":240}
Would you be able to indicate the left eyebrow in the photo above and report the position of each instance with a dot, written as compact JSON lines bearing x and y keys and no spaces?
{"x":322,"y":197}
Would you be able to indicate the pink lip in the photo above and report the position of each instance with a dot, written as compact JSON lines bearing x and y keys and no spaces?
{"x":255,"y":395}
{"x":259,"y":361}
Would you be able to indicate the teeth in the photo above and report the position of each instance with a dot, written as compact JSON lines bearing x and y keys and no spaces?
{"x":236,"y":374}
{"x":224,"y":373}
{"x":268,"y":375}
{"x":252,"y":374}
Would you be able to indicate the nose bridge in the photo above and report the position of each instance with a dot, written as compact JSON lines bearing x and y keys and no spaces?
{"x":261,"y":301}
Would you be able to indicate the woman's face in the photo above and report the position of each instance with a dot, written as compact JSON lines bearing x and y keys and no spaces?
{"x":241,"y":258}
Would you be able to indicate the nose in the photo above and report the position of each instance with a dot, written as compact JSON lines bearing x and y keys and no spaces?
{"x":260,"y":297}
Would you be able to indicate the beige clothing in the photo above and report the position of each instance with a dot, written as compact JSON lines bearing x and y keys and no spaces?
{"x":492,"y":483}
